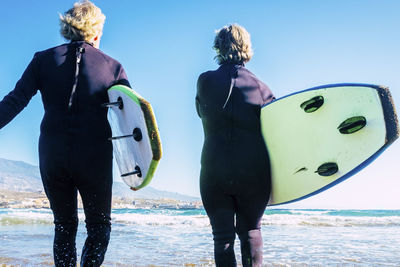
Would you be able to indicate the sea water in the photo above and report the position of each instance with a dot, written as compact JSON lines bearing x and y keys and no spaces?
{"x":163,"y":237}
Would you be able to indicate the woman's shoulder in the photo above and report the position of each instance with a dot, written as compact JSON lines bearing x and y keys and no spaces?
{"x":212,"y":75}
{"x":105,"y":56}
{"x":65,"y":48}
{"x":243,"y":71}
{"x":51,"y":50}
{"x":207,"y":74}
{"x":249,"y":77}
{"x":246,"y":72}
{"x":204,"y":78}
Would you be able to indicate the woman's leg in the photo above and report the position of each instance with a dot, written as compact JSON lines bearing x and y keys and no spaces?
{"x":97,"y":207}
{"x":251,"y":204}
{"x":94,"y":182}
{"x":220,"y":209}
{"x":251,"y":248}
{"x":62,"y":195}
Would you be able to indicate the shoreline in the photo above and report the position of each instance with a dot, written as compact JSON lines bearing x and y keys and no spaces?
{"x":38,"y":200}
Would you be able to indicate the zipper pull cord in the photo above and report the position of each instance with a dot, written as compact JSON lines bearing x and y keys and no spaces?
{"x":230,"y":92}
{"x":233,"y":77}
{"x":79,"y":52}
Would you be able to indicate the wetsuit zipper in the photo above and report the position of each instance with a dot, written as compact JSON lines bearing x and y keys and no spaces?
{"x":233,"y":75}
{"x":79,"y":51}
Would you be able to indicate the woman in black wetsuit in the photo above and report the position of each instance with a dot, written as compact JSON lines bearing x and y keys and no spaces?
{"x":235,"y":172}
{"x":74,"y":151}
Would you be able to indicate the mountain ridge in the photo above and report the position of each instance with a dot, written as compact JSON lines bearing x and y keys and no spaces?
{"x":21,"y":176}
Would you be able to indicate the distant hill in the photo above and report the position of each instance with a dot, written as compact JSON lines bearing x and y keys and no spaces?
{"x":23,"y":177}
{"x":19,"y":176}
{"x":122,"y":190}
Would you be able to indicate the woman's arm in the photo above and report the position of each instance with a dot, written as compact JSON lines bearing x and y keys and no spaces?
{"x":198,"y":93}
{"x":17,"y":99}
{"x":122,"y":78}
{"x":267,"y":95}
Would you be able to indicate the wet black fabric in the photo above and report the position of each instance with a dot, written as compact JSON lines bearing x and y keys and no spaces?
{"x":235,"y":171}
{"x":74,"y":151}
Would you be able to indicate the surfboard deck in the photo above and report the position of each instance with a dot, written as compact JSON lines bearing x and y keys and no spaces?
{"x":136,"y":139}
{"x":319,"y":137}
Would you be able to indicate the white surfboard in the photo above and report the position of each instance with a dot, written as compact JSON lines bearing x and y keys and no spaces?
{"x":321,"y":136}
{"x":136,"y":139}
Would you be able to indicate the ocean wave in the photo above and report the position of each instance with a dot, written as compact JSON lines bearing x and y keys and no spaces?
{"x":161,"y":220}
{"x":129,"y":217}
{"x":330,"y":221}
{"x":197,"y":218}
{"x":25,"y":216}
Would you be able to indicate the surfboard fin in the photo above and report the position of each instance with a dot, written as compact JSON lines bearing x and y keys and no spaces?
{"x":136,"y":134}
{"x":118,"y":103}
{"x":328,"y":169}
{"x":137,"y":172}
{"x":352,"y":125}
{"x":313,"y":104}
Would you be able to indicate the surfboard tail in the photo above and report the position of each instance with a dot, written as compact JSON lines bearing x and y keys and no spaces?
{"x":389,"y":110}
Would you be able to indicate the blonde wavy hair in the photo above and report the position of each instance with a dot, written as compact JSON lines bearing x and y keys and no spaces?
{"x":82,"y":22}
{"x":233,"y":45}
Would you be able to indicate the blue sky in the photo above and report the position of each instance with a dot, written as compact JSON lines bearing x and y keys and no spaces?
{"x":165,"y":45}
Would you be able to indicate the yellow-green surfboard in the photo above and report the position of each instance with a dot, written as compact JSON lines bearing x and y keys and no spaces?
{"x":321,"y":136}
{"x":136,"y":139}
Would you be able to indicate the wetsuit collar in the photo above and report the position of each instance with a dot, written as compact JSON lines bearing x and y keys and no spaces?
{"x":81,"y":42}
{"x":232,"y":64}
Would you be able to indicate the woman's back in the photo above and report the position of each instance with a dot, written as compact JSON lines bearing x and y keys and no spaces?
{"x":55,"y":71}
{"x":231,"y":120}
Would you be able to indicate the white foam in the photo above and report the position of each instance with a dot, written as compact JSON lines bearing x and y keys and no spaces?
{"x":332,"y":221}
{"x":178,"y":219}
{"x":161,"y":220}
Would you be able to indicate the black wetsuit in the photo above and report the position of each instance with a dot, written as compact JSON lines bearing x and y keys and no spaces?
{"x":74,"y":151}
{"x":235,"y":173}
